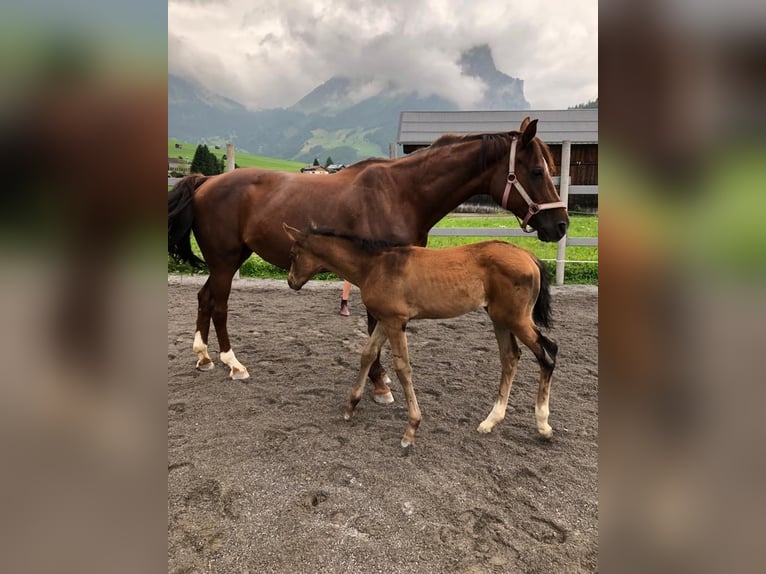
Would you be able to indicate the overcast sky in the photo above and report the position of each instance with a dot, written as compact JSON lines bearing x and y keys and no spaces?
{"x":270,"y":53}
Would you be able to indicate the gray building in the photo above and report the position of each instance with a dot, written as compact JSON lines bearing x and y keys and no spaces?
{"x":580,"y":127}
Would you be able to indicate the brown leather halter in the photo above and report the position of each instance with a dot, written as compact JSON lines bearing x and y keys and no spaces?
{"x":514,"y":182}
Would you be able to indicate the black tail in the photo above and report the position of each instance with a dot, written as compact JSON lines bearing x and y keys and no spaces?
{"x":181,"y":218}
{"x":542,"y":311}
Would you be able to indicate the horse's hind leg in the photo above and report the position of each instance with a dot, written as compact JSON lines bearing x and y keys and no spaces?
{"x":509,"y":360}
{"x":216,"y":299}
{"x":220,"y":284}
{"x":204,"y":312}
{"x":381,"y":392}
{"x":369,"y":354}
{"x":545,"y":350}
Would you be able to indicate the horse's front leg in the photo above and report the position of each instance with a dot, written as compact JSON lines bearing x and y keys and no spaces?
{"x":398,"y":339}
{"x":381,"y":392}
{"x":370,"y":352}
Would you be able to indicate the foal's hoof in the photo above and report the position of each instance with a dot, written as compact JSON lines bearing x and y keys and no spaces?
{"x":484,"y":428}
{"x":384,"y":398}
{"x":547,"y":433}
{"x":238,"y":375}
{"x":209,"y":366}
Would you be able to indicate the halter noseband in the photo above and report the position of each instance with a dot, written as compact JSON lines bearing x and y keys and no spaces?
{"x":514,"y":182}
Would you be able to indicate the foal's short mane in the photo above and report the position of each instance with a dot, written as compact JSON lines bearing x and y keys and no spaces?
{"x":371,"y":246}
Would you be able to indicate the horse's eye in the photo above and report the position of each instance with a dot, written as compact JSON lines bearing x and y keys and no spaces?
{"x":292,"y":256}
{"x":538,"y":172}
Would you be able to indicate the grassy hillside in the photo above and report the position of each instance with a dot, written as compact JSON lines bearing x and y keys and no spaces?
{"x":344,"y":146}
{"x":241,"y":158}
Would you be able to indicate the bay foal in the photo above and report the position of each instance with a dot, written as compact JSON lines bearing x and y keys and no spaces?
{"x":400,"y":283}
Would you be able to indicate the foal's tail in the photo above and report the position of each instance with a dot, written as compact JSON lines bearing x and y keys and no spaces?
{"x":181,"y":218}
{"x":542,"y":310}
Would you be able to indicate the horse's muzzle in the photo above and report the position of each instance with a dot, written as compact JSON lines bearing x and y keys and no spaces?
{"x":551,"y":231}
{"x":293,"y":284}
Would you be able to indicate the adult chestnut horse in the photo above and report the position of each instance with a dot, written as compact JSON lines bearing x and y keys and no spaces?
{"x":400,"y":200}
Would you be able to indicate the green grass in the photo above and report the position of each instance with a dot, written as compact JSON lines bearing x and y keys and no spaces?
{"x":345,"y":137}
{"x":241,"y":158}
{"x":575,"y":273}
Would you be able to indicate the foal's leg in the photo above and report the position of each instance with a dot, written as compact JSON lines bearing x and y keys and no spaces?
{"x":545,"y":350}
{"x":381,"y":392}
{"x":204,"y":312}
{"x":370,"y":352}
{"x":509,"y":360}
{"x":398,"y":339}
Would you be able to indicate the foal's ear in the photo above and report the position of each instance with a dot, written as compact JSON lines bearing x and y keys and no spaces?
{"x":528,"y":133}
{"x":292,"y":233}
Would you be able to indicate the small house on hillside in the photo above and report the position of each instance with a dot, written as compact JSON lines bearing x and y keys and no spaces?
{"x":178,"y":166}
{"x":314,"y":169}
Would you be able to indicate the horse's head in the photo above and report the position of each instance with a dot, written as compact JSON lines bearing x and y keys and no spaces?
{"x":303,"y":263}
{"x":529,"y":192}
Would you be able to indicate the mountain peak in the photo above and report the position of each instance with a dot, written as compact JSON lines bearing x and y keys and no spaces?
{"x":477,"y":61}
{"x":503,"y":91}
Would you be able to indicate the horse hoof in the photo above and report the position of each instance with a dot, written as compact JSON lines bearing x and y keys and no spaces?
{"x":547,"y":434}
{"x":209,"y":366}
{"x":237,"y":375}
{"x":346,"y":417}
{"x":406,"y":444}
{"x":383,"y":399}
{"x":484,"y":428}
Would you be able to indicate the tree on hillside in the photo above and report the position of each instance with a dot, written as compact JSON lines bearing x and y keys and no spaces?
{"x":328,"y":162}
{"x":205,"y":162}
{"x":590,"y":104}
{"x":316,"y":162}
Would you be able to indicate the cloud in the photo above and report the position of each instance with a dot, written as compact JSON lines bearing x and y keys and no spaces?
{"x":271,"y":53}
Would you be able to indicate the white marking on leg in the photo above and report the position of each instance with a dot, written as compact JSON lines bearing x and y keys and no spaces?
{"x":204,"y":361}
{"x":238,"y":370}
{"x":384,"y":398}
{"x":541,"y":414}
{"x":495,"y":416}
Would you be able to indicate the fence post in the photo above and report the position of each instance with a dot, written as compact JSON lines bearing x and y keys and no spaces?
{"x":392,"y":151}
{"x":229,"y":157}
{"x":561,"y":250}
{"x":230,"y":167}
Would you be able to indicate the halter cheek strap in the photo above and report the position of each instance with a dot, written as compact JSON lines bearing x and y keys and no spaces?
{"x":512,"y":182}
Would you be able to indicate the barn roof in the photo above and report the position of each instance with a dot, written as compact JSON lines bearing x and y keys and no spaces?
{"x":554,"y":126}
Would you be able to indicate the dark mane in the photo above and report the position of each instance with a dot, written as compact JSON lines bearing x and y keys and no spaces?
{"x":493,"y":146}
{"x":371,"y":246}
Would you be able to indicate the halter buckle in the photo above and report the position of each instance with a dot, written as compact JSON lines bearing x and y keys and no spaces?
{"x":511,"y":177}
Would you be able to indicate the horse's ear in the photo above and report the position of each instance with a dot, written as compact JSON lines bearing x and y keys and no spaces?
{"x":292,"y":233}
{"x":528,"y":133}
{"x":524,"y":124}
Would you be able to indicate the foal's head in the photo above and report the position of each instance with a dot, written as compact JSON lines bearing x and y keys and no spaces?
{"x":303,"y":263}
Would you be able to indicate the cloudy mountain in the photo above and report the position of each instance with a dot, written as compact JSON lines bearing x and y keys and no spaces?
{"x":345,"y":118}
